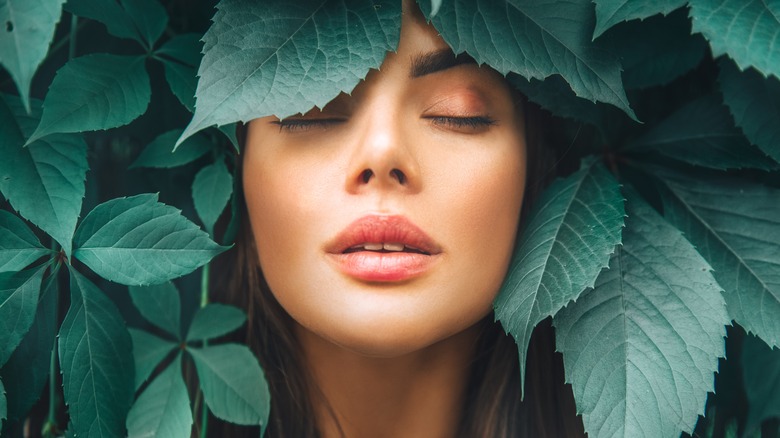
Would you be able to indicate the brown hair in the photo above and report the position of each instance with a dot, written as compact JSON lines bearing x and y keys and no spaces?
{"x":493,"y":401}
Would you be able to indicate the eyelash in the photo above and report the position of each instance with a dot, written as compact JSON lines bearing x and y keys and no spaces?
{"x":462,"y":122}
{"x":299,"y":125}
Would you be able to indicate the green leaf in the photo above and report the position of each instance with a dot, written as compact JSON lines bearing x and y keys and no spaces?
{"x":28,"y":29}
{"x":230,"y":132}
{"x":116,"y":93}
{"x":535,"y":39}
{"x":657,"y":50}
{"x":164,"y":407}
{"x":612,"y":12}
{"x":642,"y":347}
{"x":736,"y":226}
{"x":754,"y":102}
{"x":435,"y":6}
{"x":96,"y":361}
{"x":148,"y":352}
{"x":233,"y":383}
{"x":183,"y":81}
{"x":555,"y":95}
{"x":160,"y":305}
{"x":211,"y":192}
{"x":761,"y":374}
{"x":159,"y":153}
{"x":149,"y":17}
{"x":19,"y":293}
{"x":18,"y":245}
{"x":745,"y":30}
{"x":702,"y":133}
{"x":27,"y":370}
{"x":141,"y":20}
{"x":45,"y":180}
{"x":110,"y":13}
{"x":181,"y":57}
{"x":280,"y":57}
{"x":185,"y":48}
{"x":569,"y":238}
{"x":213,"y":321}
{"x":138,"y":241}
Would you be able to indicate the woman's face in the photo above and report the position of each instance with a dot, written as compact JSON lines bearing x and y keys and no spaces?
{"x":385,"y":222}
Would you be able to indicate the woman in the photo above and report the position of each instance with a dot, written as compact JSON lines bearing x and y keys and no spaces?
{"x":383,"y":226}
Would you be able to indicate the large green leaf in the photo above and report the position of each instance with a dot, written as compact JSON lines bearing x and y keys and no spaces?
{"x":141,"y":20}
{"x":96,"y":362}
{"x":754,"y":101}
{"x":138,"y":241}
{"x":233,"y":383}
{"x":148,"y":352}
{"x":163,"y":410}
{"x":159,"y":153}
{"x":642,"y":347}
{"x":702,"y":133}
{"x":735,"y":225}
{"x":536,"y":39}
{"x":569,"y":238}
{"x":19,"y":293}
{"x":745,"y":30}
{"x":28,"y":29}
{"x":116,"y":93}
{"x":761,"y":374}
{"x":612,"y":12}
{"x":655,"y":51}
{"x":213,"y":321}
{"x":280,"y":57}
{"x":160,"y":305}
{"x":211,"y":192}
{"x":27,"y":370}
{"x":18,"y":245}
{"x":45,"y":180}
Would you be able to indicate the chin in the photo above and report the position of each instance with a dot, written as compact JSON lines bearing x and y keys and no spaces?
{"x":392,"y":332}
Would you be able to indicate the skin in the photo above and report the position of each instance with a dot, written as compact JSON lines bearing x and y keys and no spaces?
{"x":391,"y":358}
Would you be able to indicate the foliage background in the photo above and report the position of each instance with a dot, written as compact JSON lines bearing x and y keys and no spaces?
{"x":673,"y":105}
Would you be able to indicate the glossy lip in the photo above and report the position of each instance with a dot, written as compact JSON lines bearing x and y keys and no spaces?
{"x":383,"y":266}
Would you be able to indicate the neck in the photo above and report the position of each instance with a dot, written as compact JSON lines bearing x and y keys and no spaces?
{"x":420,"y":394}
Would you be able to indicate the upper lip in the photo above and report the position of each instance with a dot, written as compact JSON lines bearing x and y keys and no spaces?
{"x":382,"y":229}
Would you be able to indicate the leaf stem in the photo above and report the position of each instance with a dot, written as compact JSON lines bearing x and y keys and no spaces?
{"x":204,"y":300}
{"x":74,"y":28}
{"x":50,"y":427}
{"x":204,"y":420}
{"x":204,"y":285}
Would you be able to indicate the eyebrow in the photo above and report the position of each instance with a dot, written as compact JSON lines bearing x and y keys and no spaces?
{"x":432,"y":62}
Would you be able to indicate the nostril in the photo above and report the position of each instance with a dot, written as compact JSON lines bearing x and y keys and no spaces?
{"x":366,"y":175}
{"x":397,"y":174}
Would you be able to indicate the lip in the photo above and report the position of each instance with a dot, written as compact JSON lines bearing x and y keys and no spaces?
{"x":383,"y":266}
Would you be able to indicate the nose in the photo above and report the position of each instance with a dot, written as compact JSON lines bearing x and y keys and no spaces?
{"x":383,"y":153}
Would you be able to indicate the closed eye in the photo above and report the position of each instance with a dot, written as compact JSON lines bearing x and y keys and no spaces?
{"x":477,"y":123}
{"x":305,"y":124}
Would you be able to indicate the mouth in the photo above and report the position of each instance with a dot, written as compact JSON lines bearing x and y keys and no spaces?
{"x":385,"y":248}
{"x":379,"y":248}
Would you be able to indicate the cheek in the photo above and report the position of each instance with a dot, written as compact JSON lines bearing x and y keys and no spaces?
{"x":487,"y":212}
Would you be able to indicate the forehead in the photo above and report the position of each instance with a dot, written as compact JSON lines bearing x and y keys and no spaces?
{"x":417,"y":37}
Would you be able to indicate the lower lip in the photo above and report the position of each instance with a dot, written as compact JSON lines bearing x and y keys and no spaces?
{"x":384,"y":266}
